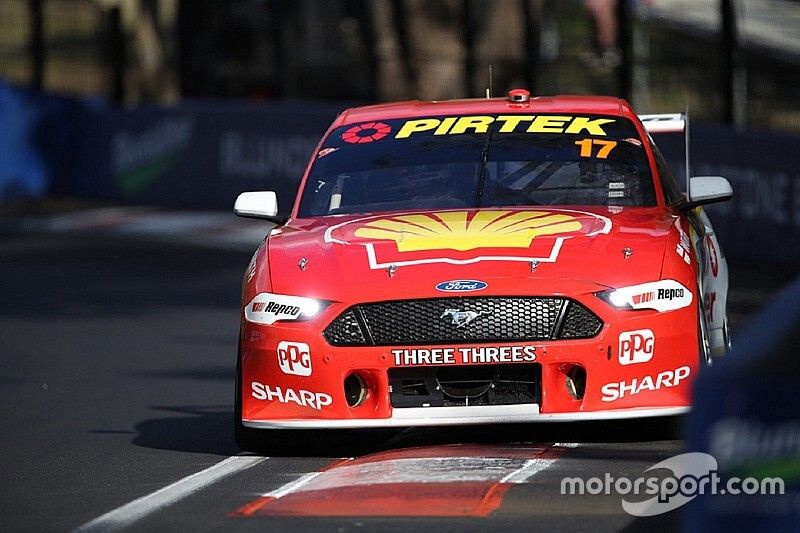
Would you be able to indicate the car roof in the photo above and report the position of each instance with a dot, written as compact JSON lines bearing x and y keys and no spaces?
{"x":595,"y":105}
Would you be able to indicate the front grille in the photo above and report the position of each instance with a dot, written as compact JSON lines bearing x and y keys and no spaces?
{"x":346,"y":330}
{"x":451,"y":386}
{"x":579,"y":323}
{"x":462,"y":320}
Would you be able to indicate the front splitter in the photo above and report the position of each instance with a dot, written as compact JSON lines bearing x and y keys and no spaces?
{"x":460,"y":416}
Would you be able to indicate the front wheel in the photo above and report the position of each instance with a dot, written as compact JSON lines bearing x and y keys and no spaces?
{"x":247,"y":439}
{"x":263,"y":441}
{"x":703,"y":338}
{"x":726,"y":335}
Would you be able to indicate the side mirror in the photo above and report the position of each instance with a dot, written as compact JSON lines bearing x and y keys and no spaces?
{"x":260,"y":204}
{"x":708,"y":190}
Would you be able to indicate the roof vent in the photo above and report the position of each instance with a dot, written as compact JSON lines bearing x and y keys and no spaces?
{"x":519,"y":96}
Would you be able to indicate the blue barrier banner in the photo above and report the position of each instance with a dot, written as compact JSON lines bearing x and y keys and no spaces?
{"x":198,"y":155}
{"x":762,"y":221}
{"x":202,"y":154}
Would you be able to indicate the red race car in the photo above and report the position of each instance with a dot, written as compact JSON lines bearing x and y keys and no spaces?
{"x":481,"y":261}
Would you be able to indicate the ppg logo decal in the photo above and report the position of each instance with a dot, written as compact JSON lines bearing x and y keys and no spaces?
{"x":461,"y":285}
{"x":636,"y":346}
{"x":294,"y":358}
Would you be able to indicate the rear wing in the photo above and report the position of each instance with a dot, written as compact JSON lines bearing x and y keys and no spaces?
{"x":666,"y":123}
{"x":670,"y":123}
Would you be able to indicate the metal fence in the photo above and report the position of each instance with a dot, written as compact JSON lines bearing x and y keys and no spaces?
{"x":734,"y":61}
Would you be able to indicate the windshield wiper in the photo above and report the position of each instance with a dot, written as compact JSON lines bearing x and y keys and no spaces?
{"x":484,"y":167}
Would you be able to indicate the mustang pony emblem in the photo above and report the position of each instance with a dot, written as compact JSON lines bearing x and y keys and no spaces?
{"x":462,"y":318}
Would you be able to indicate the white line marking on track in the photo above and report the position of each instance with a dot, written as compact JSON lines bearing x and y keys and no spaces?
{"x":292,"y":486}
{"x":420,"y":470}
{"x":528,"y":470}
{"x":129,"y":513}
{"x":534,"y":466}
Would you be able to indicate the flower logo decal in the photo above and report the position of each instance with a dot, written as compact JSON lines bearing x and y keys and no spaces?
{"x":366,"y":132}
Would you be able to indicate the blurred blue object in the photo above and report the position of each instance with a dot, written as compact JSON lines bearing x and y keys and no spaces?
{"x":35,"y":142}
{"x":747,"y":415}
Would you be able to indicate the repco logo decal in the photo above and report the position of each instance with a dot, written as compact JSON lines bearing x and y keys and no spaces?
{"x":268,"y":308}
{"x":276,"y":308}
{"x":664,"y":295}
{"x":660,"y":294}
{"x":643,"y":298}
{"x":670,"y":294}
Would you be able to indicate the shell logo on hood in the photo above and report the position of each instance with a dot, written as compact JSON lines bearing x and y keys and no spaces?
{"x":461,"y":237}
{"x":454,"y":230}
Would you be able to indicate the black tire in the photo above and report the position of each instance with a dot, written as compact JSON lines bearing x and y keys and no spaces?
{"x":726,"y":332}
{"x":661,"y":428}
{"x":703,"y":339}
{"x":247,"y":439}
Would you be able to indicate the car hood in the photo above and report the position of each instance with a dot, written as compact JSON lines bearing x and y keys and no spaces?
{"x":514,"y":251}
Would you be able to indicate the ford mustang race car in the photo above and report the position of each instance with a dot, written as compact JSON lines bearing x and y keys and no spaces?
{"x":481,"y":261}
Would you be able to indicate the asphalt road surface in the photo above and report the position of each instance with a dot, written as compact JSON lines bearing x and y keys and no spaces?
{"x":116,"y":382}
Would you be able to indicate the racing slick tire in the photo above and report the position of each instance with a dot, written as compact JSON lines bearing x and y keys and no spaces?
{"x":262,"y":441}
{"x":726,"y":332}
{"x":259,"y":441}
{"x":703,"y":336}
{"x":247,"y":439}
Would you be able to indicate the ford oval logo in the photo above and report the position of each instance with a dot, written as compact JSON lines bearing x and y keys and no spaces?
{"x":461,"y":285}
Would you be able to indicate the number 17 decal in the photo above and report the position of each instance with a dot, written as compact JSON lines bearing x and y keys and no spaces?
{"x":604,"y":147}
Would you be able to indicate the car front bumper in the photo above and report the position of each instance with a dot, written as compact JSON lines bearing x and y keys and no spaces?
{"x":315,"y":397}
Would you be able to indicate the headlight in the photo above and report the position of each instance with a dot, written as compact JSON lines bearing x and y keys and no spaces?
{"x":664,"y":295}
{"x":268,"y":308}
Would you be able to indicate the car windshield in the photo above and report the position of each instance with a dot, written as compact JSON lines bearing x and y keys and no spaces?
{"x":478,"y":161}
